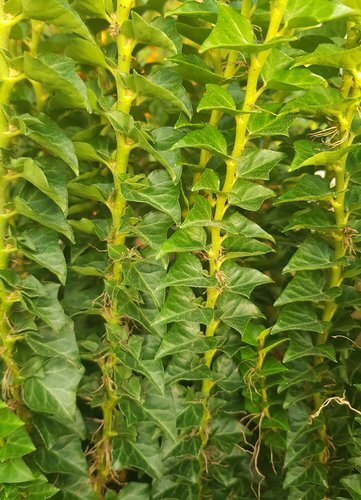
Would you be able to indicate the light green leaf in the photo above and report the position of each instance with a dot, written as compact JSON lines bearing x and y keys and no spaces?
{"x":278,"y":74}
{"x":49,"y":135}
{"x":209,"y":138}
{"x":187,"y":271}
{"x":17,"y":444}
{"x":255,"y":164}
{"x":9,"y":421}
{"x":308,"y":188}
{"x":58,"y":73}
{"x":15,"y":471}
{"x":246,"y":227}
{"x":156,"y":190}
{"x":181,"y":305}
{"x":200,"y":214}
{"x":249,"y":196}
{"x":145,"y":276}
{"x":216,"y":97}
{"x":96,"y":9}
{"x":327,"y":54}
{"x":307,"y":13}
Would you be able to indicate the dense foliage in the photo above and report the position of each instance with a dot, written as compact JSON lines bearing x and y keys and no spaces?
{"x":180,"y":249}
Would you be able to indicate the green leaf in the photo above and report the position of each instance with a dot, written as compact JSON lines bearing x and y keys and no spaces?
{"x":42,"y":246}
{"x":309,"y":153}
{"x":327,"y":54}
{"x":278,"y":74}
{"x":312,"y":254}
{"x":58,"y":73}
{"x":17,"y":444}
{"x":85,"y":52}
{"x":57,"y":12}
{"x":150,"y":35}
{"x":216,"y":97}
{"x":9,"y":422}
{"x":47,"y":133}
{"x":256,"y":164}
{"x":153,"y":408}
{"x":353,"y":485}
{"x":300,"y":14}
{"x":34,"y":205}
{"x":246,"y":227}
{"x":143,"y":455}
{"x":305,"y":286}
{"x":308,"y":188}
{"x":206,"y":10}
{"x":247,"y":195}
{"x":152,"y":228}
{"x":266,"y":123}
{"x":189,"y":239}
{"x":301,"y":345}
{"x":163,"y":85}
{"x":52,"y":389}
{"x":47,"y":174}
{"x":184,"y":337}
{"x":200,"y":214}
{"x":156,"y":190}
{"x":233,"y":31}
{"x":317,"y":218}
{"x":209,"y":138}
{"x":208,"y":180}
{"x":181,"y":305}
{"x":187,"y":271}
{"x":97,"y":9}
{"x":297,"y":317}
{"x":242,"y":280}
{"x":241,"y":246}
{"x":145,"y":276}
{"x":15,"y":471}
{"x":235,"y":311}
{"x":64,"y":457}
{"x":317,"y":101}
{"x":193,"y":68}
{"x":48,"y":308}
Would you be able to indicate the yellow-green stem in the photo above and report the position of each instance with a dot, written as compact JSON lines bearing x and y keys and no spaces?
{"x":350,"y":85}
{"x":36,"y":30}
{"x":257,"y":62}
{"x":116,"y":206}
{"x":6,"y":300}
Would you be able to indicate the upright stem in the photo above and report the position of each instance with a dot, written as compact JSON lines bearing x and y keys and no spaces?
{"x":351,"y":85}
{"x":11,"y":380}
{"x":116,"y":206}
{"x":215,"y":252}
{"x":36,"y":30}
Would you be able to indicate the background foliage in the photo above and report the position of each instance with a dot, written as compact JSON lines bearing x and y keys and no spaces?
{"x":179,"y":249}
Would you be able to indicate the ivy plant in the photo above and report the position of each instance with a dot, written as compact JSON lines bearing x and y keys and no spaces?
{"x":180,"y":188}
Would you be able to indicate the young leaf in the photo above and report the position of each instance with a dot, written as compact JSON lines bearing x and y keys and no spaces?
{"x":208,"y":138}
